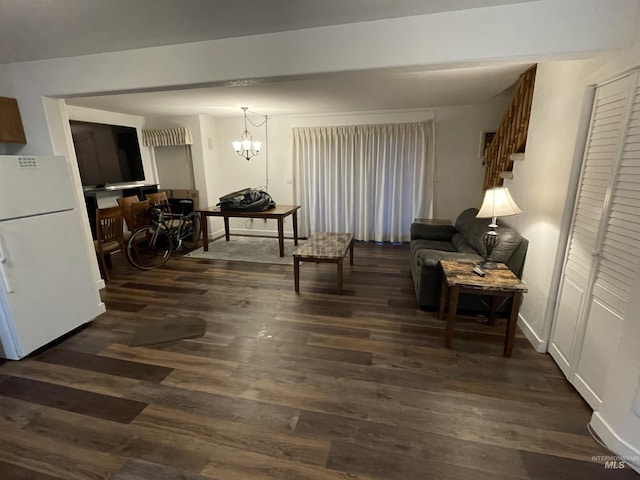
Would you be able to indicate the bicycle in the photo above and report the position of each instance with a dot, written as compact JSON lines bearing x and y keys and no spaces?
{"x":151,"y":246}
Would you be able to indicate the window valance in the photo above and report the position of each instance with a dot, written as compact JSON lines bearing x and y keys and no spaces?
{"x":167,"y":137}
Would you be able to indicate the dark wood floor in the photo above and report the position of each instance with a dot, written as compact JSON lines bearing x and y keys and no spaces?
{"x":284,"y":386}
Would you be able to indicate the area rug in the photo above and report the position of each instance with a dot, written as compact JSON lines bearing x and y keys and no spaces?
{"x":248,"y":249}
{"x":168,"y":330}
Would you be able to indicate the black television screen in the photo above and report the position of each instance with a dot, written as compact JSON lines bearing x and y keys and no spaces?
{"x":106,"y":153}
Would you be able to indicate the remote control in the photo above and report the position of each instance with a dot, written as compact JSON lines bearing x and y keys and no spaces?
{"x":479,"y":271}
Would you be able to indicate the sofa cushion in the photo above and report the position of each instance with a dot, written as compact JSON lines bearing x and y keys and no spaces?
{"x":431,"y":258}
{"x":466,"y":221}
{"x":461,"y":245}
{"x":479,"y":228}
{"x":431,"y":245}
{"x":509,"y":241}
{"x":432,"y":231}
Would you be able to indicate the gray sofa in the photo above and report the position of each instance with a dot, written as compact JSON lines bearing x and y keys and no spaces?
{"x":431,"y":243}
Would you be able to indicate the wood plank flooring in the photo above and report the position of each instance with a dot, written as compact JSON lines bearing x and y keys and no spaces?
{"x":284,"y":386}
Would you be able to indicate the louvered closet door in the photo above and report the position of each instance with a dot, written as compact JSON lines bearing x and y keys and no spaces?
{"x":601,"y":258}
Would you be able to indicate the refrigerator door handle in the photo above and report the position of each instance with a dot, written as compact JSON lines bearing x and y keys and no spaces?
{"x":3,"y":272}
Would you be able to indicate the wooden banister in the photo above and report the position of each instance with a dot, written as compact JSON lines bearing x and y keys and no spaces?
{"x":511,"y":136}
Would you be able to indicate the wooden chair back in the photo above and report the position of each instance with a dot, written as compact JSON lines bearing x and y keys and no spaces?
{"x":140,"y":214}
{"x":159,"y":198}
{"x":126,"y":203}
{"x":109,"y":234}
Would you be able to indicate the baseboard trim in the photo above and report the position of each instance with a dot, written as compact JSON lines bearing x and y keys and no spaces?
{"x":100,"y":284}
{"x":539,"y":345}
{"x":215,"y":235}
{"x":626,"y":452}
{"x":101,"y":308}
{"x":585,"y":390}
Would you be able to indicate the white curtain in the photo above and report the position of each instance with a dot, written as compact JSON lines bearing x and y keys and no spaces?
{"x":167,"y":137}
{"x":369,"y":180}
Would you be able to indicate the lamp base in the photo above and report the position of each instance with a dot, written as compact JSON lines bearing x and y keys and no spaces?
{"x":487,"y":265}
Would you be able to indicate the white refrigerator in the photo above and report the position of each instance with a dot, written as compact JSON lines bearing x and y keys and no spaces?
{"x":46,"y":284}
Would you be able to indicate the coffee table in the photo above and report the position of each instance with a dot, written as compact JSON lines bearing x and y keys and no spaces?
{"x":323,"y":247}
{"x":458,"y":277}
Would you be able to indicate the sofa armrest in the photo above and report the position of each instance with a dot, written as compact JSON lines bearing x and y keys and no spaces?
{"x":426,"y":231}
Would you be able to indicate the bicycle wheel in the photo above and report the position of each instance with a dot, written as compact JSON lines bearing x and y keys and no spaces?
{"x":149,"y":247}
{"x":190,"y":230}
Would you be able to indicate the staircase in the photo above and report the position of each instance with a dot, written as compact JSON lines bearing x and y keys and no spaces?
{"x":509,"y":142}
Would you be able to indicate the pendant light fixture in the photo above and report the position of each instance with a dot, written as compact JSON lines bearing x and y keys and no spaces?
{"x":246,"y":147}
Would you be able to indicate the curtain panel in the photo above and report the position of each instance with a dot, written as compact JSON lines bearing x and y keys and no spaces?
{"x":369,"y":180}
{"x":167,"y":137}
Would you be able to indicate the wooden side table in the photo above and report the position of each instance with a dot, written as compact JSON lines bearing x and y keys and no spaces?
{"x":501,"y":282}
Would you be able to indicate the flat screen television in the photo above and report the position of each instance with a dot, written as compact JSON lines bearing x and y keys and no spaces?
{"x":106,"y":154}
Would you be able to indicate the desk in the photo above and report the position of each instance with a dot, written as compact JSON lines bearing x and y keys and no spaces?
{"x":279,"y":213}
{"x":458,"y":277}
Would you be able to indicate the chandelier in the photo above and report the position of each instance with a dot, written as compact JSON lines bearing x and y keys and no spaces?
{"x":246,"y":147}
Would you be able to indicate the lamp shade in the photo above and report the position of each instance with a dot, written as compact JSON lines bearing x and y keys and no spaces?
{"x":498,"y":203}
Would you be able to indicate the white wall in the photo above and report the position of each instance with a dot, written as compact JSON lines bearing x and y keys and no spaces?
{"x":457,"y":136}
{"x":219,"y":170}
{"x":207,"y":168}
{"x":175,"y":167}
{"x":459,"y":169}
{"x":520,"y":32}
{"x":3,"y":150}
{"x":553,"y":155}
{"x":540,"y":184}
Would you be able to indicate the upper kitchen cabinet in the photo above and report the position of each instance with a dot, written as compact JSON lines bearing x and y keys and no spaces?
{"x":11,"y":130}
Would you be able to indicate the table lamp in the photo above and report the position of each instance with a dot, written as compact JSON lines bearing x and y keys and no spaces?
{"x":497,"y":203}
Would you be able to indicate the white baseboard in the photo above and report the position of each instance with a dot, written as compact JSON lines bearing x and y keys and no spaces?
{"x":586,"y":392}
{"x":538,"y":344}
{"x":101,"y":308}
{"x":100,"y":284}
{"x":626,"y":452}
{"x":215,"y":235}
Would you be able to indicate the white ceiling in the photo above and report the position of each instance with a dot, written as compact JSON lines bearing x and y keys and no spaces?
{"x":39,"y":29}
{"x":338,"y":92}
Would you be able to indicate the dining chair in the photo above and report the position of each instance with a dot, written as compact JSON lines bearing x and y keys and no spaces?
{"x":140,"y":214}
{"x":126,"y":203}
{"x":160,"y":199}
{"x":109,"y":235}
{"x":140,"y":217}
